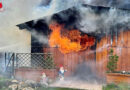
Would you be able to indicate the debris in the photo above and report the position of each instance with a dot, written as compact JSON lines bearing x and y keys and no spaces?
{"x":13,"y":86}
{"x":28,"y":88}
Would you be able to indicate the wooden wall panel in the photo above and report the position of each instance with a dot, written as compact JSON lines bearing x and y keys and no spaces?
{"x":101,"y":55}
{"x":108,"y":40}
{"x":58,"y":57}
{"x":125,"y":39}
{"x":114,"y":43}
{"x":98,"y":57}
{"x":128,"y":63}
{"x":71,"y":60}
{"x":128,"y":45}
{"x":104,"y":60}
{"x":118,"y":51}
{"x":120,"y":39}
{"x":123,"y":59}
{"x":67,"y":63}
{"x":121,"y":48}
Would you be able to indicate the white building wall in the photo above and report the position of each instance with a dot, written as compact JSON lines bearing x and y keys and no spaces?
{"x":14,"y":40}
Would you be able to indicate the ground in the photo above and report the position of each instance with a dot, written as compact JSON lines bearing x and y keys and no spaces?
{"x":78,"y":85}
{"x":7,"y":84}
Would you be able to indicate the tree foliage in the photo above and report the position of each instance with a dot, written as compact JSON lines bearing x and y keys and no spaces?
{"x":112,"y":63}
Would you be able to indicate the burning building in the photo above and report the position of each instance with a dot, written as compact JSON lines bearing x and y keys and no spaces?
{"x":82,"y":35}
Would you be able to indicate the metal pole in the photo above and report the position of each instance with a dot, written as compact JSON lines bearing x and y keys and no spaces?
{"x":13,"y":65}
{"x":16,"y":58}
{"x":5,"y":59}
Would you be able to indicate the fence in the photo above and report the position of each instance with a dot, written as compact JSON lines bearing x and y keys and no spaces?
{"x":2,"y":62}
{"x":29,"y":66}
{"x":35,"y":60}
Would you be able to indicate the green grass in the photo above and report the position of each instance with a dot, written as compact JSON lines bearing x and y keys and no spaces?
{"x":121,"y":86}
{"x":4,"y":82}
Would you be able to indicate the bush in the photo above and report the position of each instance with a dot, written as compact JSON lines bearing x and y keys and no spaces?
{"x":49,"y":63}
{"x":112,"y":63}
{"x":110,"y":87}
{"x":121,"y":86}
{"x":124,"y":86}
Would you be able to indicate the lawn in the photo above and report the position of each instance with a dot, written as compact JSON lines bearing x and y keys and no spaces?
{"x":121,"y":86}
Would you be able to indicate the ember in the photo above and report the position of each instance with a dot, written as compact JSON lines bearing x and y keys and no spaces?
{"x":69,"y":40}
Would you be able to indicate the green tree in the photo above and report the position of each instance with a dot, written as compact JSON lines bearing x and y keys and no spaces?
{"x":112,"y":63}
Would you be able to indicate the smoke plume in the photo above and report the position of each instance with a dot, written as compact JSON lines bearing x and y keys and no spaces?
{"x":125,"y":4}
{"x":40,"y":37}
{"x":97,"y":20}
{"x":86,"y":71}
{"x":103,"y":21}
{"x":16,"y":12}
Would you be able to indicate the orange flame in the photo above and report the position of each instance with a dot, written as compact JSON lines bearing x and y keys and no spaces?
{"x":69,"y":41}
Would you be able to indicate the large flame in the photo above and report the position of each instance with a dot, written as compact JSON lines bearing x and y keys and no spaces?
{"x":69,"y":40}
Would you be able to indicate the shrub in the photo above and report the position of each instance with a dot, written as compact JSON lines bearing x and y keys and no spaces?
{"x":112,"y":63}
{"x":111,"y":86}
{"x":49,"y":63}
{"x":120,"y":86}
